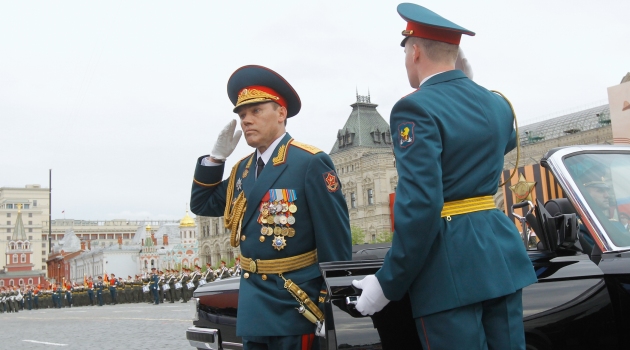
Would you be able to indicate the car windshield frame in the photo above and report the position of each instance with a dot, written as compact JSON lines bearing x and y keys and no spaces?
{"x":556,"y":162}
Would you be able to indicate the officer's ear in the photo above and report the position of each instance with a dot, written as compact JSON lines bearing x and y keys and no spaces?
{"x":282,"y":111}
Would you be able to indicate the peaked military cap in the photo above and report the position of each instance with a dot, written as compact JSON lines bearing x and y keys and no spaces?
{"x":594,"y":177}
{"x":424,"y":23}
{"x":257,"y":84}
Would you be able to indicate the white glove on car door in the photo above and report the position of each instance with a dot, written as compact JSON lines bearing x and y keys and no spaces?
{"x":372,"y":298}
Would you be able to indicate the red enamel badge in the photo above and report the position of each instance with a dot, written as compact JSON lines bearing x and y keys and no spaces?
{"x":330,"y":178}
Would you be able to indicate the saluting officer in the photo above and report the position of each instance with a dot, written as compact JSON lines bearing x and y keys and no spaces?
{"x":460,"y":259}
{"x":283,"y":205}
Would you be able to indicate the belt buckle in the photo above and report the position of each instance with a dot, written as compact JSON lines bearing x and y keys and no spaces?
{"x":252,"y":266}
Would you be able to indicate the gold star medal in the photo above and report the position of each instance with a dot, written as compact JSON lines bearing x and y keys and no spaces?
{"x":523,"y":189}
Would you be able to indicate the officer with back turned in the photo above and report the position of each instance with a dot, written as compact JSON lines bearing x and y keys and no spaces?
{"x":460,"y":259}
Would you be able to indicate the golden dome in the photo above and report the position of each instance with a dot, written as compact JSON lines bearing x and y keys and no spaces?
{"x":187,"y":221}
{"x":148,"y":228}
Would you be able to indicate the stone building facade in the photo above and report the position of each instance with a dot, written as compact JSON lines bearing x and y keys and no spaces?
{"x":34,"y":202}
{"x":364,"y":161}
{"x":214,"y":242}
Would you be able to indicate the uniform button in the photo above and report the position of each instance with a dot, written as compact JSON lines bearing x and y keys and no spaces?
{"x":246,"y":275}
{"x":264,"y":277}
{"x":243,"y":237}
{"x":261,"y":239}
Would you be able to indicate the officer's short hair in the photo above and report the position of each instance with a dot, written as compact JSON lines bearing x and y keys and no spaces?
{"x":437,"y":51}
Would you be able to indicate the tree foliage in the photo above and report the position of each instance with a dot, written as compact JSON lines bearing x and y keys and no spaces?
{"x":358,"y":237}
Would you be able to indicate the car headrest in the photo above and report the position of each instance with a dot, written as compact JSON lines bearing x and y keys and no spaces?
{"x":559,"y":206}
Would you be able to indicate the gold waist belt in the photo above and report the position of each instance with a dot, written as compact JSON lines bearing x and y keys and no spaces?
{"x":468,"y":205}
{"x":279,"y":265}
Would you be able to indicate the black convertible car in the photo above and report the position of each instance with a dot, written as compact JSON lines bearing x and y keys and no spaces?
{"x":582,"y":260}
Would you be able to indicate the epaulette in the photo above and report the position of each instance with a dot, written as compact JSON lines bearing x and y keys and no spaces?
{"x":308,"y":148}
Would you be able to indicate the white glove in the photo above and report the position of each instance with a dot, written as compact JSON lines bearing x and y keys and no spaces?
{"x":462,"y":64}
{"x":372,"y":298}
{"x":320,"y":330}
{"x":226,"y":142}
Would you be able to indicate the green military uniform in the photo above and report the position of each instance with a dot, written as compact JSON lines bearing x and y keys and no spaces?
{"x":294,"y":209}
{"x":453,"y":251}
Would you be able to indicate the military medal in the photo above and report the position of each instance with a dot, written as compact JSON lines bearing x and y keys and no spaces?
{"x":279,"y":243}
{"x":291,"y":220}
{"x":292,"y":208}
{"x":291,"y":232}
{"x":285,"y":207}
{"x":277,"y":230}
{"x":239,"y":184}
{"x":263,"y":230}
{"x":285,"y":231}
{"x":283,"y":220}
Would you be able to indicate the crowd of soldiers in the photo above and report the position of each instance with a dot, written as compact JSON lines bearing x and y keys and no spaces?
{"x":155,"y":287}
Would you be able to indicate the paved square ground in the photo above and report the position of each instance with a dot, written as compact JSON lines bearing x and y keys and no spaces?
{"x":122,"y":326}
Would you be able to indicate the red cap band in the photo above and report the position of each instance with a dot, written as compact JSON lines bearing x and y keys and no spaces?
{"x":257,"y":94}
{"x":434,"y":33}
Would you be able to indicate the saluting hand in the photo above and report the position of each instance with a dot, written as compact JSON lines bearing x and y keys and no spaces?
{"x":226,"y":142}
{"x":372,"y":298}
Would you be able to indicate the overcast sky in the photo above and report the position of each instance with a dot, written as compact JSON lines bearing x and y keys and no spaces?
{"x":119,"y":98}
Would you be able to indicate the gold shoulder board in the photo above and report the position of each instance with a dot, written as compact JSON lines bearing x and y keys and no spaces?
{"x":308,"y":148}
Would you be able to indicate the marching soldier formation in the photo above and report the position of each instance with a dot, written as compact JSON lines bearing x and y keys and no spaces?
{"x":155,"y":288}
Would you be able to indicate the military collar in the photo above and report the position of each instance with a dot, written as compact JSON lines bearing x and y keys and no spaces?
{"x":444,"y":76}
{"x":270,"y":151}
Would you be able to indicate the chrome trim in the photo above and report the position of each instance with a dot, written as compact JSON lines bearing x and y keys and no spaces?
{"x":196,"y":306}
{"x":557,"y":167}
{"x":214,"y":345}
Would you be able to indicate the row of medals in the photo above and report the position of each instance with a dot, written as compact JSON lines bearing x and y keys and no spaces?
{"x":279,"y":216}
